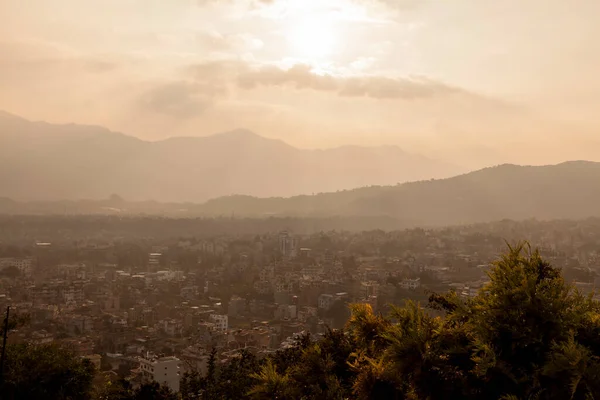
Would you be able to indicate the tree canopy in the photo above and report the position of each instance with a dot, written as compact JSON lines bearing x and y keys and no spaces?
{"x":526,"y":335}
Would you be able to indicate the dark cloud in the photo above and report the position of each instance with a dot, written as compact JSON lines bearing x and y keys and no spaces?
{"x":179,"y":99}
{"x":388,"y":88}
{"x":301,"y":77}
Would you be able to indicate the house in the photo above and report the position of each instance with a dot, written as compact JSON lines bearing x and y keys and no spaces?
{"x":221,"y":321}
{"x":164,"y":370}
{"x":410,"y":284}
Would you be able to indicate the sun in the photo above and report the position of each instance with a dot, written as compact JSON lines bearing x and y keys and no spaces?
{"x":312,"y":38}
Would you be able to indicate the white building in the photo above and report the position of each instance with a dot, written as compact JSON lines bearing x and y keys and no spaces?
{"x":410,"y":284}
{"x":163,"y":370}
{"x":72,"y":294}
{"x":154,"y":261}
{"x":287,"y":245}
{"x":221,"y":321}
{"x":283,"y":287}
{"x":286,"y":312}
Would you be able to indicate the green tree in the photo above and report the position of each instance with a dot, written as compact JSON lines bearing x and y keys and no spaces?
{"x":119,"y":389}
{"x":45,"y":372}
{"x":154,"y":391}
{"x":270,"y":384}
{"x":527,"y":334}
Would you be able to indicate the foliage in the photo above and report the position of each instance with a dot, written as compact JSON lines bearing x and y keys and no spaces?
{"x":231,"y":381}
{"x":14,"y":321}
{"x":121,"y":389}
{"x":45,"y":372}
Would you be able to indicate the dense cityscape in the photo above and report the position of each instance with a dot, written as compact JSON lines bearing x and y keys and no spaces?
{"x":155,"y":309}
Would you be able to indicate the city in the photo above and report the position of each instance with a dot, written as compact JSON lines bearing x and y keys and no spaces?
{"x":149,"y":310}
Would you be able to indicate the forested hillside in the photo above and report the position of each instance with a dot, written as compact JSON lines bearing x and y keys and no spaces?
{"x":564,"y":191}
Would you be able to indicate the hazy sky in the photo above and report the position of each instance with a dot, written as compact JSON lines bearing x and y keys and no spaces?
{"x":431,"y":75}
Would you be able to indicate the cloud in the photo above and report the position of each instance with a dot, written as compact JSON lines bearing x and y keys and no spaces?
{"x":180,"y":99}
{"x":399,"y":4}
{"x":299,"y":76}
{"x":249,"y":3}
{"x":302,"y":77}
{"x":215,"y":41}
{"x":35,"y":57}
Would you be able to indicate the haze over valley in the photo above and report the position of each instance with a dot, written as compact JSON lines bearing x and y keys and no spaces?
{"x":40,"y":161}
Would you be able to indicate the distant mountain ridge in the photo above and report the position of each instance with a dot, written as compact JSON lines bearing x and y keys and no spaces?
{"x":41,"y":161}
{"x":569,"y":190}
{"x":565,"y":191}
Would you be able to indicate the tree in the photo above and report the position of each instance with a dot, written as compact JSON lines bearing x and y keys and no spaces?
{"x":271,"y":384}
{"x":119,"y":389}
{"x":154,"y":391}
{"x":45,"y":372}
{"x":235,"y":378}
{"x":527,"y":334}
{"x":10,"y":272}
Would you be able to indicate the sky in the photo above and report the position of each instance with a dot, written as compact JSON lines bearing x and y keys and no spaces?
{"x":473,"y":80}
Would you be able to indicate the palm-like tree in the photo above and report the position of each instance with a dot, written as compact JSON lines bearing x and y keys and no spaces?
{"x":271,"y":384}
{"x":366,"y":328}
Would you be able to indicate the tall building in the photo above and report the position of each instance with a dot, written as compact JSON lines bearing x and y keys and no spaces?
{"x":287,"y":244}
{"x":221,"y":321}
{"x":164,"y":370}
{"x":154,"y":261}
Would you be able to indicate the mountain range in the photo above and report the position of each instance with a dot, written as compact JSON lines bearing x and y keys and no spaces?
{"x":46,"y":162}
{"x":565,"y":191}
{"x":569,"y":190}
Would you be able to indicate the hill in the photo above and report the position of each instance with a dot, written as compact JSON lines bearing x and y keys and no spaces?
{"x":45,"y":162}
{"x":567,"y":190}
{"x":563,"y":191}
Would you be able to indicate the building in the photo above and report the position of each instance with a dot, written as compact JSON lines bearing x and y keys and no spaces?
{"x":267,"y":273}
{"x":72,"y":294}
{"x":80,"y":324}
{"x":410,"y":284}
{"x":23,"y":264}
{"x":221,"y":321}
{"x":368,"y":288}
{"x":286,"y":312}
{"x":154,"y":261}
{"x":287,"y":245}
{"x":112,"y":304}
{"x":164,"y":370}
{"x":262,"y":287}
{"x":327,"y":300}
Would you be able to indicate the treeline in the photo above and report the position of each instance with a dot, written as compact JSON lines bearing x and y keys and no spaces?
{"x":369,"y":232}
{"x":526,"y":335}
{"x":16,"y":228}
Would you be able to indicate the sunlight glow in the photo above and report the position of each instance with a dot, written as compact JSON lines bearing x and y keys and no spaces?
{"x":312,"y":38}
